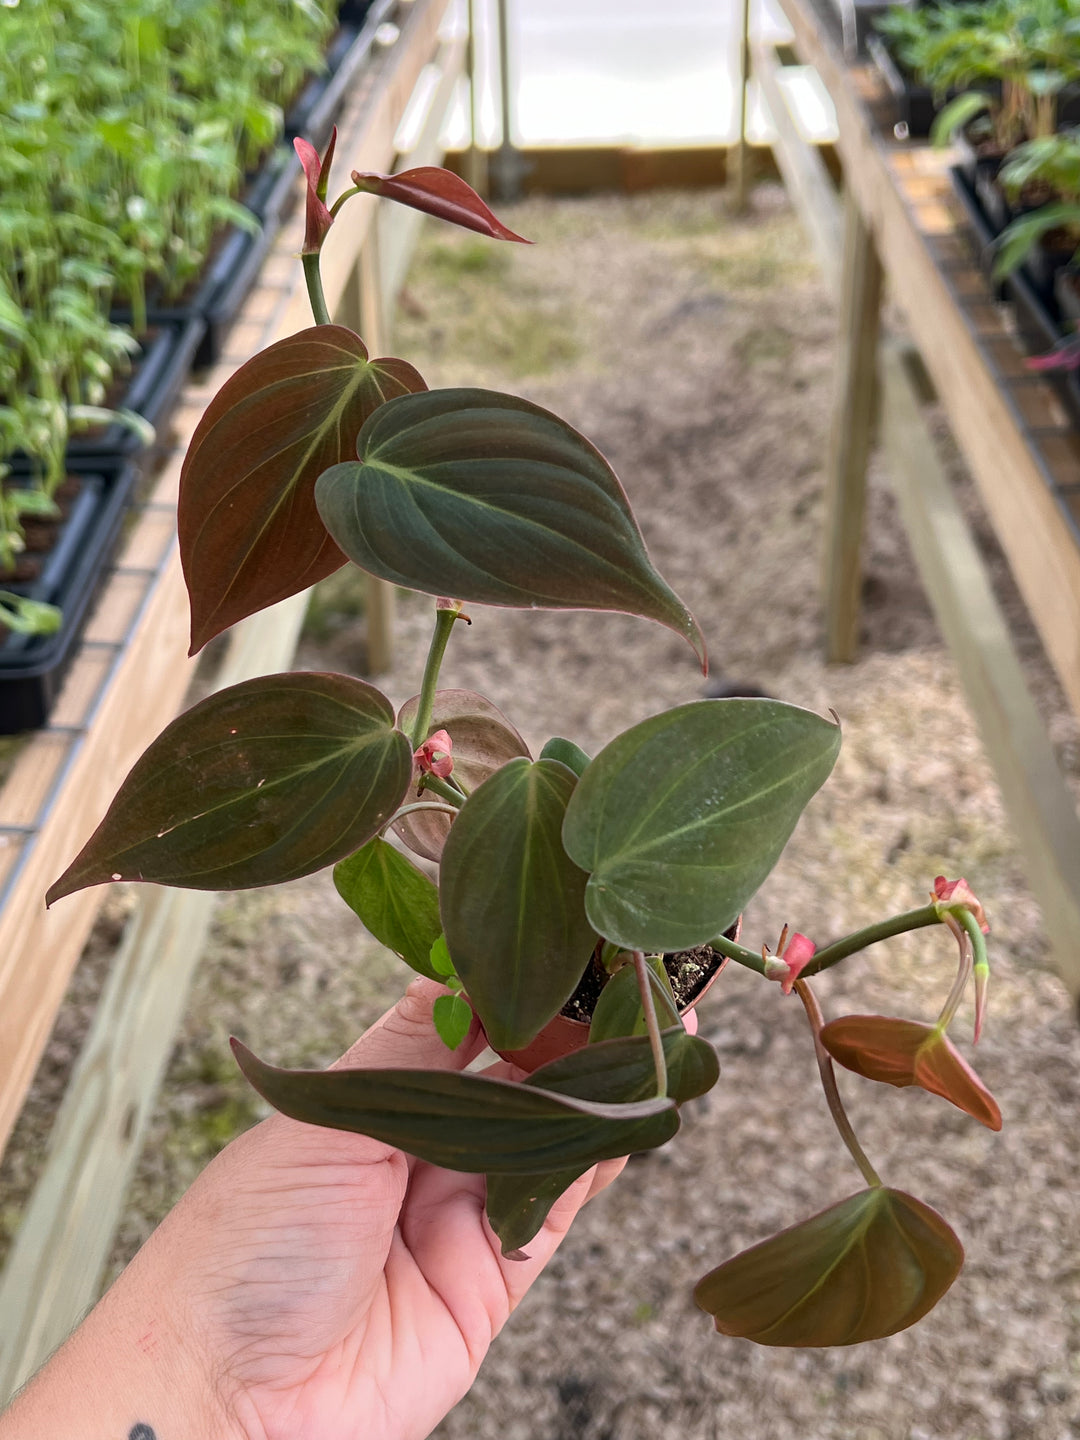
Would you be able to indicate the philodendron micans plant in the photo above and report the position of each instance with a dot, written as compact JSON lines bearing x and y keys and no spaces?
{"x":567,"y":886}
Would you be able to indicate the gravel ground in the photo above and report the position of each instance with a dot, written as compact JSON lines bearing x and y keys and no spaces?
{"x":695,"y":350}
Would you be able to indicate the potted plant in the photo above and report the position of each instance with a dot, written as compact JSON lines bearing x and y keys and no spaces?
{"x":605,"y":888}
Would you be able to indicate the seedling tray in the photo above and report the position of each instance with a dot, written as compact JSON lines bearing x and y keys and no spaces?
{"x":234,"y":265}
{"x":316,"y":107}
{"x":32,"y":668}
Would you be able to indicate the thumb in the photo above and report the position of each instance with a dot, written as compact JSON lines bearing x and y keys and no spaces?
{"x":405,"y":1037}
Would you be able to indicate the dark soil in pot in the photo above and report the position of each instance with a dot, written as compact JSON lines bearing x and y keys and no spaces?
{"x":689,"y":971}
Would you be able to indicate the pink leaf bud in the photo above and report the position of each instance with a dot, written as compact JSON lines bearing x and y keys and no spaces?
{"x":433,"y":756}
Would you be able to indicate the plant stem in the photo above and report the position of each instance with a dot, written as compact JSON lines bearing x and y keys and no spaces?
{"x":313,"y":278}
{"x":419,"y":805}
{"x":652,"y":1025}
{"x":828,"y":1084}
{"x":870,"y":935}
{"x":442,"y":787}
{"x":738,"y":953}
{"x":444,"y":623}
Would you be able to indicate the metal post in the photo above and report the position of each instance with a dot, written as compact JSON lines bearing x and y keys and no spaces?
{"x":475,"y":158}
{"x":507,"y":167}
{"x":739,"y":180}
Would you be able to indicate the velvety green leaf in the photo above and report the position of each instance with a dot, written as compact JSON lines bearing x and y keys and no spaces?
{"x":622,"y":1068}
{"x":489,"y":498}
{"x":396,"y":901}
{"x":680,"y":819}
{"x":259,"y":783}
{"x":249,"y":531}
{"x":462,"y":1121}
{"x":512,"y":901}
{"x":517,"y":1205}
{"x":440,"y":958}
{"x":452,"y":1018}
{"x":907,"y":1052}
{"x":865,"y":1268}
{"x":619,"y":1010}
{"x":570,"y":754}
{"x":484,"y":740}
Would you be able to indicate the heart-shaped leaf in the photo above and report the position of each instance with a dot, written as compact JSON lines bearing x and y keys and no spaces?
{"x":518,"y":1205}
{"x":681,"y":818}
{"x":489,"y":498}
{"x":396,"y":901}
{"x":440,"y":193}
{"x":249,"y":531}
{"x":484,"y":740}
{"x":865,"y":1268}
{"x":570,"y":754}
{"x":906,"y":1052}
{"x":512,"y":901}
{"x":462,"y":1121}
{"x":262,"y":782}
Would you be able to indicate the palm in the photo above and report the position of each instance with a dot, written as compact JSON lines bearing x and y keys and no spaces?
{"x":349,"y":1288}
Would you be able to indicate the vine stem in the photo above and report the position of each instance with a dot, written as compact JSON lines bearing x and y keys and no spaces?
{"x":652,"y":1024}
{"x":420,"y":805}
{"x":828,"y":1084}
{"x":438,"y":786}
{"x":839,"y":949}
{"x":440,"y":636}
{"x":313,"y":279}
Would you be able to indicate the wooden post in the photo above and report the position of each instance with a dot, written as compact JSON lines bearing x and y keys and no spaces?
{"x":739,"y":180}
{"x":851,"y":435}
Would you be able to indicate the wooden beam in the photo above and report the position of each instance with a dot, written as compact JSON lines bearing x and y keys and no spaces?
{"x":1039,"y":804}
{"x":805,"y":174}
{"x":54,"y":1269}
{"x":851,"y":436}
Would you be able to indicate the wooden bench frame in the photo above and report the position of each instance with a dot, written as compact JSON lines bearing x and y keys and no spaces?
{"x":897,"y":224}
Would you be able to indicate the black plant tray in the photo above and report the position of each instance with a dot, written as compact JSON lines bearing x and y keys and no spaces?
{"x":316,"y":107}
{"x":1039,"y":321}
{"x":235,"y":263}
{"x":915,"y":104}
{"x":32,"y":668}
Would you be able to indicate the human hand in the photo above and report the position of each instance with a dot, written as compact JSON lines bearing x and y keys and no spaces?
{"x":318,"y":1284}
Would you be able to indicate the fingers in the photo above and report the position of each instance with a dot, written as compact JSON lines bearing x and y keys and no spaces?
{"x":405,"y":1038}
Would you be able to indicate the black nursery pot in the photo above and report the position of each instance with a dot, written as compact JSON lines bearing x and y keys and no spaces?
{"x":33,"y":667}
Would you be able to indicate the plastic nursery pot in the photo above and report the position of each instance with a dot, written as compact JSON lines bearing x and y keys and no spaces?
{"x":563,"y":1035}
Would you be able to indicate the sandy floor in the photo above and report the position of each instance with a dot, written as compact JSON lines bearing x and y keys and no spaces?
{"x":696,"y":352}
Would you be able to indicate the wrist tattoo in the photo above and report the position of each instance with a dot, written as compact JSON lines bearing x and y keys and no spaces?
{"x":141,"y":1432}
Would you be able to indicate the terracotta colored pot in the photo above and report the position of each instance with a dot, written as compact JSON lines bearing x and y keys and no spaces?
{"x":562,"y":1036}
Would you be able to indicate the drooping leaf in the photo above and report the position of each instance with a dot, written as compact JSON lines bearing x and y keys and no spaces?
{"x":518,"y":1205}
{"x":440,"y":193}
{"x":906,"y":1052}
{"x":512,"y":901}
{"x":680,"y":819}
{"x":570,"y":754}
{"x":452,"y":1017}
{"x":489,"y":498}
{"x":462,"y":1121}
{"x":865,"y":1268}
{"x":250,"y":534}
{"x":484,"y":740}
{"x":396,"y":901}
{"x":259,"y":783}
